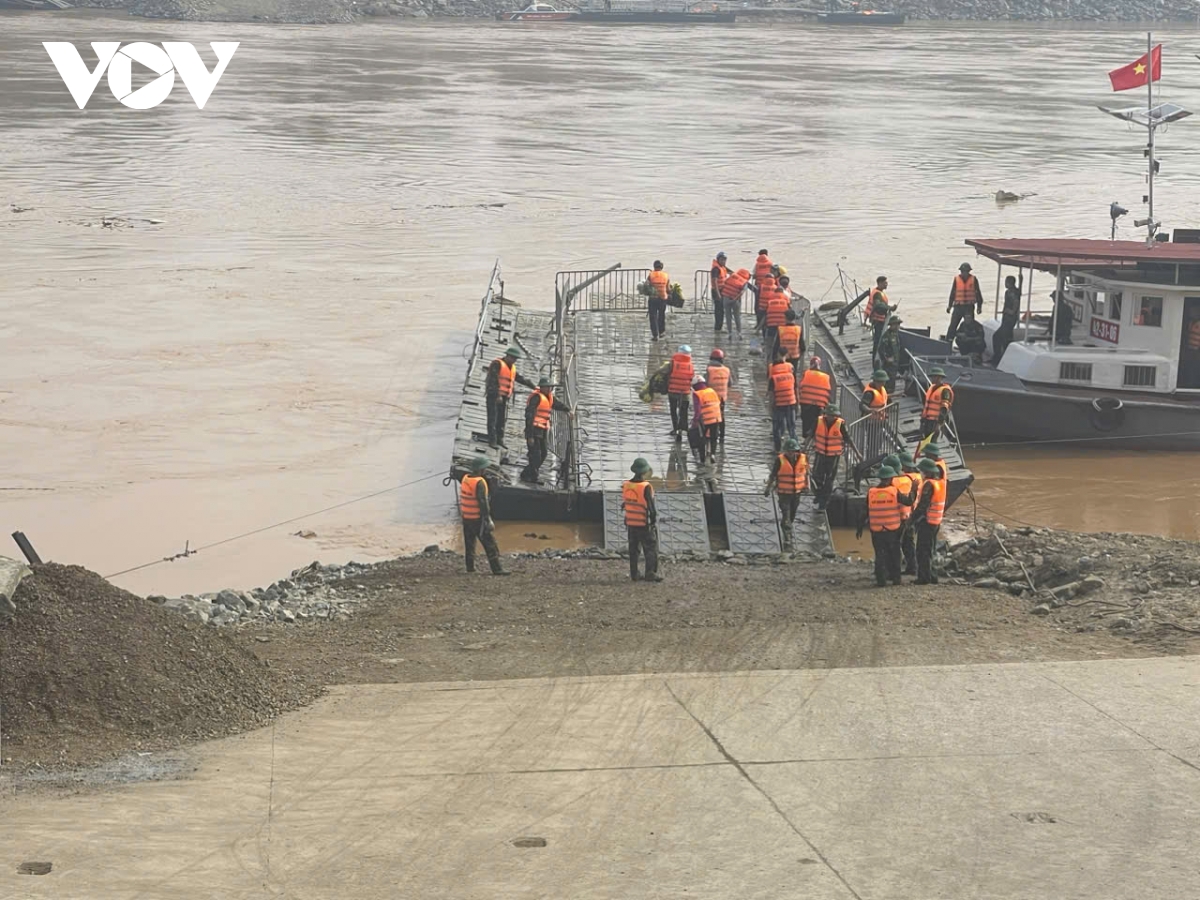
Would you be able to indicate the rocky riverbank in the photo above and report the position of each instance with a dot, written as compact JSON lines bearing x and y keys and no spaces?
{"x":345,"y":11}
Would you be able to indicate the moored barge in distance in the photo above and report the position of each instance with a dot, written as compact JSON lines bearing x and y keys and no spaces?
{"x":1125,"y":374}
{"x":626,"y":14}
{"x":861,"y":17}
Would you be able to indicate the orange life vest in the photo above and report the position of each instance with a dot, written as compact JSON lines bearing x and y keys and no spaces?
{"x":777,"y":307}
{"x":508,"y":375}
{"x":880,"y":314}
{"x":904,"y":483}
{"x":541,"y":418}
{"x":829,"y":439}
{"x":789,"y":338}
{"x":934,"y":398}
{"x":637,"y":509}
{"x":470,"y":490}
{"x":964,"y":290}
{"x":879,"y":396}
{"x":937,"y":505}
{"x":762,"y":268}
{"x":815,"y":386}
{"x":735,"y":284}
{"x":766,"y":290}
{"x":682,"y":372}
{"x":1194,"y":335}
{"x":718,"y":380}
{"x":659,"y":282}
{"x":722,"y":274}
{"x":710,"y":406}
{"x":783,"y":383}
{"x":792,"y":479}
{"x":883,"y":508}
{"x":943,"y":468}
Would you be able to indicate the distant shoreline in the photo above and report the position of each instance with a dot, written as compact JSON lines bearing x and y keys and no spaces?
{"x":330,"y":12}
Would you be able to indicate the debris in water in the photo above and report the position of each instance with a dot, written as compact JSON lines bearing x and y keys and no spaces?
{"x":307,"y":535}
{"x":19,"y":209}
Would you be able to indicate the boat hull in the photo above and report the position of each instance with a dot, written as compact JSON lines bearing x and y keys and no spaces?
{"x":1005,"y":410}
{"x":535,"y":16}
{"x":623,"y":17}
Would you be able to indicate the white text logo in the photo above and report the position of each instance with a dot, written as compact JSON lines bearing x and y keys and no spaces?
{"x":164,"y":61}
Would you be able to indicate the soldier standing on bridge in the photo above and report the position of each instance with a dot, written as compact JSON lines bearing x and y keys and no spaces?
{"x":830,"y":439}
{"x":502,"y":376}
{"x":890,"y":353}
{"x":537,"y":427}
{"x":789,"y":475}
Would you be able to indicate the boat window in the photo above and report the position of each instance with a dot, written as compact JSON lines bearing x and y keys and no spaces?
{"x":1189,"y":274}
{"x":1141,"y":376}
{"x":1070,"y":371}
{"x":1096,"y":301}
{"x":1114,"y":306}
{"x":1149,"y":312}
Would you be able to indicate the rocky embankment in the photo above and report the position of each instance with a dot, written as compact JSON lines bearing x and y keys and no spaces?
{"x":344,"y":11}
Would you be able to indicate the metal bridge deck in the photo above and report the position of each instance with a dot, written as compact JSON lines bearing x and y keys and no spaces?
{"x":615,"y":356}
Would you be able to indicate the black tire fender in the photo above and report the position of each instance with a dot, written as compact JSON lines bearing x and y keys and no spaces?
{"x":1107,"y":413}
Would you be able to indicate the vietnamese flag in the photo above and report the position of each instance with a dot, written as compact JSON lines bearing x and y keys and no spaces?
{"x":1134,"y":75}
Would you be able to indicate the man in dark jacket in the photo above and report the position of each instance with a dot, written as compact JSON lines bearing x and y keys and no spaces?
{"x":1009,"y":317}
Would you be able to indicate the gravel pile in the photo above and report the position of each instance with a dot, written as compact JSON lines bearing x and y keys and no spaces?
{"x":89,"y":671}
{"x":1125,"y":582}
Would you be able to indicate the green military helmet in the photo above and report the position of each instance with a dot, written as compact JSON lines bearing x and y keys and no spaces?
{"x":928,"y":467}
{"x":545,"y":382}
{"x":937,"y":372}
{"x":514,"y":352}
{"x":879,"y":375}
{"x":906,"y":459}
{"x":832,"y":410}
{"x":933,"y":451}
{"x":887,"y":472}
{"x":892,"y":462}
{"x":895,"y":320}
{"x":791,"y":444}
{"x":479,"y":464}
{"x":640,"y":466}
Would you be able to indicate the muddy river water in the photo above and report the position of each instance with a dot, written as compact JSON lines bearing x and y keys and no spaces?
{"x":272,"y":320}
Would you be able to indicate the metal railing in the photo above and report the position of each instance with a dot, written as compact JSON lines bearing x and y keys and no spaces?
{"x":874,"y":435}
{"x":923,"y":384}
{"x":495,"y":290}
{"x":614,"y":289}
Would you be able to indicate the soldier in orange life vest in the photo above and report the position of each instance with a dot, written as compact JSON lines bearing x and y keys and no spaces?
{"x":707,"y":419}
{"x":875,"y":395}
{"x":498,"y":390}
{"x":789,"y":337}
{"x":477,"y":521}
{"x":964,"y":295}
{"x":716,"y":280}
{"x":537,"y":427}
{"x":789,"y":475}
{"x":781,"y":390}
{"x":908,"y":479}
{"x":934,"y":452}
{"x":938,"y":400}
{"x":659,"y":283}
{"x":679,"y":387}
{"x":830,"y":438}
{"x":719,"y":376}
{"x":731,"y":295}
{"x":885,"y":517}
{"x":927,"y":514}
{"x":878,"y":310}
{"x":815,"y":388}
{"x":637,"y":499}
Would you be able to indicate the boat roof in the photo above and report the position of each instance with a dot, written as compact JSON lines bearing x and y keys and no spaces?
{"x":1050,"y":253}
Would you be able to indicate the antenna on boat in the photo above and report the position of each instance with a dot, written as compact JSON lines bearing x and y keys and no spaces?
{"x":1150,"y":118}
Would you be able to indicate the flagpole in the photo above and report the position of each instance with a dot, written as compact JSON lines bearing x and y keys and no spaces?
{"x":1150,"y":131}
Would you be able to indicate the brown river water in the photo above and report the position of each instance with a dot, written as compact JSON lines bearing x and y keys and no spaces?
{"x":277,"y":322}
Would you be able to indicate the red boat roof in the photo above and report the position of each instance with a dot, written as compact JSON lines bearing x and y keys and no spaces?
{"x":1050,"y":253}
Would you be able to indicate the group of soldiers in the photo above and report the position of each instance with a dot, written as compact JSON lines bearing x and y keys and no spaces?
{"x":903,"y":512}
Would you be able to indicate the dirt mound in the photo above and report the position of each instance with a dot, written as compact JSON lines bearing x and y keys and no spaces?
{"x":89,"y":671}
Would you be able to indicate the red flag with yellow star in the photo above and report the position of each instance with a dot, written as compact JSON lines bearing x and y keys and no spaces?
{"x":1134,"y":75}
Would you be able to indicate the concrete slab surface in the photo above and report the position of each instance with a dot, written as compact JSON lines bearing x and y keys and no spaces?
{"x":1063,"y":780}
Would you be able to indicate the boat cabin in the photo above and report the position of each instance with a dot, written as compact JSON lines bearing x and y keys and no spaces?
{"x":1135,"y":313}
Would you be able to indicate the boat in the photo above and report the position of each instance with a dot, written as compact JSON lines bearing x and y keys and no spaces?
{"x":1127,"y":375}
{"x":537,"y":12}
{"x":628,"y":14}
{"x":861,"y":17}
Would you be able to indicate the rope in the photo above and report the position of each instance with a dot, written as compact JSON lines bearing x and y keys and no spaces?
{"x":246,"y":534}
